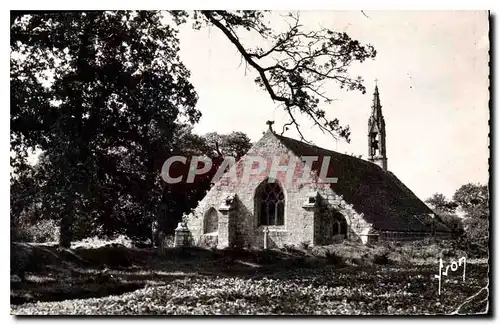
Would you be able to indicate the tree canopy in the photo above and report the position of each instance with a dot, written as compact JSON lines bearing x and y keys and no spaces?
{"x":106,"y":121}
{"x":473,"y":198}
{"x":440,"y":203}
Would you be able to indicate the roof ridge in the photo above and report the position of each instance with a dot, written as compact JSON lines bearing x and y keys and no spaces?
{"x":281,"y":137}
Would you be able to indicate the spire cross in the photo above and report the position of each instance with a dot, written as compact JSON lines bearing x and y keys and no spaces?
{"x":376,"y":82}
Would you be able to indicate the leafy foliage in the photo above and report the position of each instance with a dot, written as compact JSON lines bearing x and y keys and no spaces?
{"x":453,"y":222}
{"x":41,"y":231}
{"x":474,"y":200}
{"x":235,"y":144}
{"x":439,"y":202}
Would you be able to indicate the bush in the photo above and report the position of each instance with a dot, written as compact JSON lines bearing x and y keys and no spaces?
{"x":289,"y":248}
{"x":419,"y":249}
{"x":45,"y":231}
{"x":95,"y":242}
{"x":329,"y":253}
{"x":300,"y":262}
{"x":206,"y":241}
{"x":381,"y":258}
{"x":318,"y":251}
{"x":169,"y":241}
{"x":304,"y":245}
{"x":434,"y":249}
{"x":334,"y":258}
{"x":40,"y":232}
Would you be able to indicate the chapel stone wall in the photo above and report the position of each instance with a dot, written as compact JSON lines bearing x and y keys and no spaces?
{"x":240,"y":227}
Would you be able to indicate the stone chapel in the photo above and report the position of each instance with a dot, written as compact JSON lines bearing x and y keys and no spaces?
{"x":367,"y":202}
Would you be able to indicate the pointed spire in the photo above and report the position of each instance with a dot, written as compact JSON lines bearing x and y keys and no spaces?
{"x":376,"y":107}
{"x":376,"y":132}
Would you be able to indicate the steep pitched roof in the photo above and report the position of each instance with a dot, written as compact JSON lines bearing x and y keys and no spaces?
{"x":383,"y":199}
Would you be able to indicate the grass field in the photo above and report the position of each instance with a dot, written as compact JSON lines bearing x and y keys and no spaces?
{"x":119,"y":280}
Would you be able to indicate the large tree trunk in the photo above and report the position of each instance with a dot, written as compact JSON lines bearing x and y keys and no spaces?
{"x":66,"y":233}
{"x":82,"y":153}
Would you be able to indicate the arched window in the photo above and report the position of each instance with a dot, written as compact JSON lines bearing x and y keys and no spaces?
{"x":339,"y":224}
{"x":270,"y":204}
{"x":211,"y":221}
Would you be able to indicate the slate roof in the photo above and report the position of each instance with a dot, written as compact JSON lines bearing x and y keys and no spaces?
{"x":383,"y":199}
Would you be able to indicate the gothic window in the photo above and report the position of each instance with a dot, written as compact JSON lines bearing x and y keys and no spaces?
{"x":211,"y":221}
{"x":339,"y":224}
{"x":270,"y":204}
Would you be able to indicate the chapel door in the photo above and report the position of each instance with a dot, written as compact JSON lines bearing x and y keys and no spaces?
{"x":339,"y":226}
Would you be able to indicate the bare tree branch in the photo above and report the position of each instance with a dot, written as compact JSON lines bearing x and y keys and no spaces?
{"x":303,"y":61}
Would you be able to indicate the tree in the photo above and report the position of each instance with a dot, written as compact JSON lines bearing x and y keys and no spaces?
{"x":105,"y":121}
{"x":181,"y":197}
{"x":445,"y":210}
{"x":440,"y":203}
{"x":473,"y":199}
{"x":235,"y":144}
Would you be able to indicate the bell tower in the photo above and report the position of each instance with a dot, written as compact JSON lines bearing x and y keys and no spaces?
{"x":376,"y":133}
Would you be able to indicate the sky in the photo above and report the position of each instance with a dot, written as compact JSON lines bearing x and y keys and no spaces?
{"x":432,"y":71}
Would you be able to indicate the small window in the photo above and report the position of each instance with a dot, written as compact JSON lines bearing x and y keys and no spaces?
{"x":211,"y":222}
{"x":270,"y":203}
{"x":339,"y":224}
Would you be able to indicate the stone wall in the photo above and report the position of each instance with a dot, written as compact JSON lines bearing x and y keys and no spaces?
{"x":411,"y":236}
